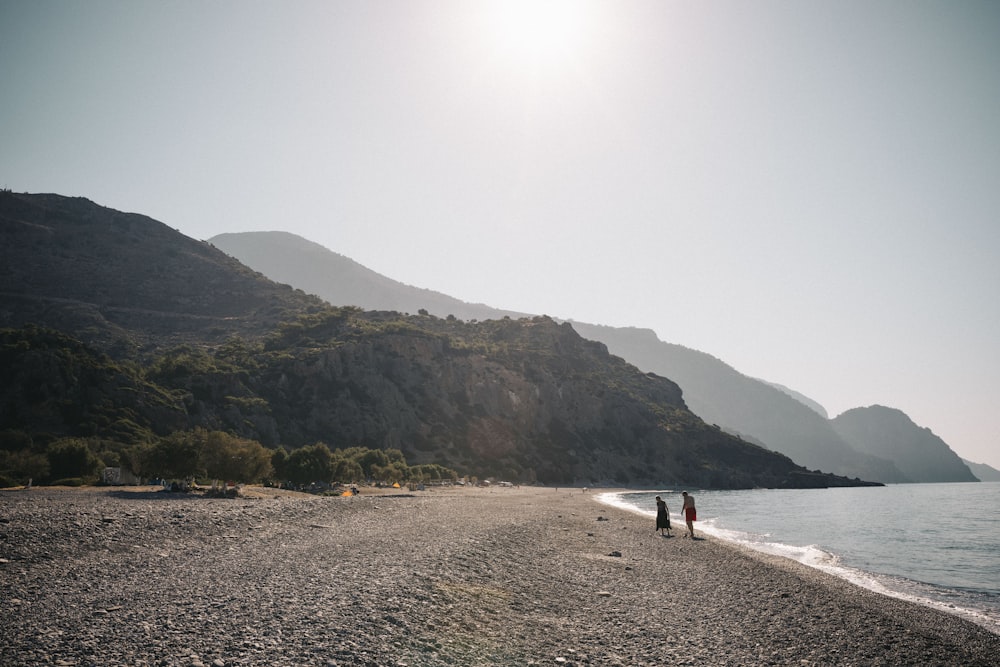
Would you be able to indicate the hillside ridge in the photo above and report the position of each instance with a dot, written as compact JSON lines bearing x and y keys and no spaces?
{"x":232,"y":351}
{"x":757,"y":411}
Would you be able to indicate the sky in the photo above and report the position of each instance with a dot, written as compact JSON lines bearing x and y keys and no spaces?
{"x":809,"y":191}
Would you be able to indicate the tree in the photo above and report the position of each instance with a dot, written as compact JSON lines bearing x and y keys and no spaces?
{"x":432,"y":472}
{"x":279,"y":463}
{"x":227,"y":457}
{"x":347,"y":470}
{"x":71,"y":458}
{"x":371,"y":459}
{"x":313,"y":463}
{"x":133,"y":458}
{"x":239,"y":353}
{"x":177,"y":456}
{"x":391,"y":473}
{"x":20,"y":466}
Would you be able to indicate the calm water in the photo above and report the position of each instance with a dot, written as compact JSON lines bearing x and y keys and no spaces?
{"x":935,"y":544}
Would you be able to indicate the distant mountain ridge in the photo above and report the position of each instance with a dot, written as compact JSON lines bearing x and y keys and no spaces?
{"x":889,"y":433}
{"x":982,"y":471}
{"x":801,"y":398}
{"x":757,"y":411}
{"x":290,"y":259}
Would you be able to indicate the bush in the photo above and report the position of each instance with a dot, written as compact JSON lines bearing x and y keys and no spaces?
{"x":18,"y":467}
{"x":313,"y":463}
{"x":227,"y":457}
{"x":213,"y":455}
{"x":71,"y":457}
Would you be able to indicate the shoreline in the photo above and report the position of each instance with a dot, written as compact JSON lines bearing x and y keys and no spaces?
{"x":808,"y":556}
{"x":447,"y":576}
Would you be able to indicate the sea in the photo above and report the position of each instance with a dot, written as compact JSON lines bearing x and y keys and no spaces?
{"x":933,"y":544}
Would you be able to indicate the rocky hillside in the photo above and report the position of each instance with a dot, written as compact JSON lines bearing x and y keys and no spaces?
{"x":721,"y":395}
{"x":126,"y":282}
{"x":527,"y":400}
{"x":752,"y":409}
{"x":122,"y":329}
{"x":518,"y":399}
{"x":889,"y":433}
{"x":54,"y":386}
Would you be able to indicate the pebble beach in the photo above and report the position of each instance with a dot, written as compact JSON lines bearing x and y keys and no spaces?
{"x":447,"y":576}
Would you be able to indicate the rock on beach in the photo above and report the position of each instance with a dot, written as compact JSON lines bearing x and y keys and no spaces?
{"x":454,"y":576}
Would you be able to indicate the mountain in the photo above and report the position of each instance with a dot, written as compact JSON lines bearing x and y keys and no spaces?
{"x":801,"y":398}
{"x":721,"y":395}
{"x":520,"y":399}
{"x":887,"y":432}
{"x":126,"y":282}
{"x":716,"y":392}
{"x":984,"y":472}
{"x":120,"y":329}
{"x":288,"y":258}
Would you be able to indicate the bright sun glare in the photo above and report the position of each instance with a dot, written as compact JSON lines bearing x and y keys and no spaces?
{"x":537,"y":33}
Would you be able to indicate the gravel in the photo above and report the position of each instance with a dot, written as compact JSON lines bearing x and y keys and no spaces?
{"x":503,"y":576}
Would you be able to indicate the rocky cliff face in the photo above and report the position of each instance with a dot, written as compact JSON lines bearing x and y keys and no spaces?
{"x":519,"y":399}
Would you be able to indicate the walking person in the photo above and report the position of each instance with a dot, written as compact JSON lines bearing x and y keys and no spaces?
{"x":662,"y":517}
{"x":689,"y":513}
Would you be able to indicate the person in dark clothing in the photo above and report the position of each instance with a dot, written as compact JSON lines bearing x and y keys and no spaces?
{"x":662,"y":517}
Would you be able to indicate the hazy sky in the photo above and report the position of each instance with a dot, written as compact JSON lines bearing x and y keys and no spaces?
{"x":809,"y":191}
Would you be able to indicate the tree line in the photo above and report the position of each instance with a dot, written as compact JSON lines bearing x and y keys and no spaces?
{"x":204,"y":455}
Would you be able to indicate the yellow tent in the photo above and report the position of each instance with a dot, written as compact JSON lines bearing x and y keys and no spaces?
{"x":347,"y":493}
{"x":395,"y":485}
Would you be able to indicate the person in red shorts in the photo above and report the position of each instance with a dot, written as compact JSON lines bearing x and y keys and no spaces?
{"x":690,"y":516}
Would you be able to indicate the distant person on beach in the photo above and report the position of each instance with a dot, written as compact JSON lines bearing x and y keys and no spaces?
{"x":690,"y":516}
{"x":662,"y":517}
